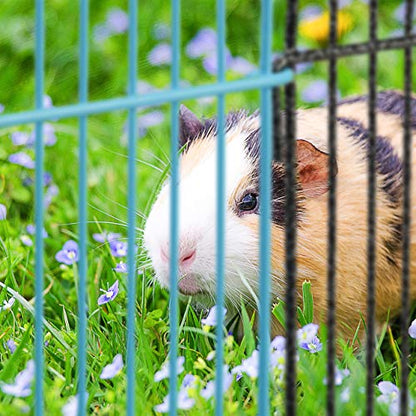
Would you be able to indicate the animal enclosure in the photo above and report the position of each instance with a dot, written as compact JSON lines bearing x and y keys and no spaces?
{"x":275,"y":79}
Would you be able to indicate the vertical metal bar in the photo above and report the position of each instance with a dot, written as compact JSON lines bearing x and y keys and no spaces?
{"x":83,"y":266}
{"x":407,"y":159}
{"x":39,"y":86}
{"x":265,"y":198}
{"x":331,"y":274}
{"x":290,"y":221}
{"x":131,"y":264}
{"x":219,"y":407}
{"x":174,"y":202}
{"x":371,"y":258}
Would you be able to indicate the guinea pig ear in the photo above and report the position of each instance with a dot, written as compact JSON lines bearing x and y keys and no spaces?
{"x":189,"y":125}
{"x":313,"y":168}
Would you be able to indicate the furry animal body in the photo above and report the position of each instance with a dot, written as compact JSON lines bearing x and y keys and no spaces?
{"x":197,"y":211}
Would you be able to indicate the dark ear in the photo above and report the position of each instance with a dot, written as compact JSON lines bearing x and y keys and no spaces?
{"x":313,"y":168}
{"x":189,"y":125}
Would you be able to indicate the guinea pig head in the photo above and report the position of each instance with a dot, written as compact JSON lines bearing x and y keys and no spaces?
{"x":197,"y":213}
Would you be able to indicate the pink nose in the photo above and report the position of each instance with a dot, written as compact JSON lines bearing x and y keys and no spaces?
{"x":186,"y":257}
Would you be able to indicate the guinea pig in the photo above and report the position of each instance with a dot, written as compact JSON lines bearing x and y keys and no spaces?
{"x":197,"y":211}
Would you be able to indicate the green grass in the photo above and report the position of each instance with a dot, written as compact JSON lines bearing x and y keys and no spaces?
{"x":107,"y":196}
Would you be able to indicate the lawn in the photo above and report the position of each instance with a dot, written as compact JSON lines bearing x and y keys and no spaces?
{"x":107,"y":212}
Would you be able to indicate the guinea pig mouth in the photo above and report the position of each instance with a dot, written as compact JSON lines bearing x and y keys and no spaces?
{"x":188,"y":285}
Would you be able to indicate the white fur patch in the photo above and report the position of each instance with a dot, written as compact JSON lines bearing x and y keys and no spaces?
{"x":197,"y":221}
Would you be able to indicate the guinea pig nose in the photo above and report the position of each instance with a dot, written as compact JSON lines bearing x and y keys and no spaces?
{"x":187,"y":258}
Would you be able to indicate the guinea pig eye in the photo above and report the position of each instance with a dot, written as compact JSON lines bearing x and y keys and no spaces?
{"x":248,"y":202}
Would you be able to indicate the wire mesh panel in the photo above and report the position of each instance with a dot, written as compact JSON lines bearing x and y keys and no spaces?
{"x":278,"y":137}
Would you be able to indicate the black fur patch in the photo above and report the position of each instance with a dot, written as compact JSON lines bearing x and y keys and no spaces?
{"x":391,"y":102}
{"x":388,"y":163}
{"x":209,"y":127}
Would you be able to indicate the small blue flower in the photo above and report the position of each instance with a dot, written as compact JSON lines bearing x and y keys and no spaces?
{"x":11,"y":345}
{"x":7,"y":304}
{"x":1,"y":108}
{"x":71,"y":406}
{"x":204,"y":43}
{"x":144,"y":87}
{"x":314,"y":345}
{"x":101,"y":33}
{"x":20,"y":138}
{"x":278,"y":343}
{"x":22,"y":384}
{"x":211,"y":319}
{"x":3,"y":212}
{"x":310,"y":12}
{"x":49,"y":137}
{"x":160,"y":55}
{"x":150,"y":119}
{"x":250,"y":366}
{"x":316,"y":91}
{"x":340,"y":375}
{"x":109,"y":294}
{"x":22,"y":159}
{"x":105,"y":236}
{"x":184,"y":402}
{"x":121,"y":267}
{"x":209,"y":389}
{"x":164,"y":371}
{"x":26,"y":240}
{"x":118,"y":248}
{"x":161,"y":31}
{"x":117,"y":20}
{"x":400,"y":13}
{"x":241,"y":66}
{"x":69,"y":253}
{"x":210,"y":62}
{"x":111,"y":370}
{"x":412,"y":329}
{"x":31,"y":229}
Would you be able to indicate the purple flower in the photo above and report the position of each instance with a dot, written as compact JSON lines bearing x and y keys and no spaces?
{"x":160,"y":55}
{"x":26,"y":240}
{"x":3,"y":212}
{"x":339,"y":376}
{"x":209,"y":389}
{"x":161,"y":31}
{"x":111,"y":370}
{"x":1,"y":108}
{"x":307,"y":338}
{"x":210,"y":63}
{"x":389,"y":395}
{"x":11,"y":345}
{"x":20,"y":138}
{"x":7,"y":304}
{"x":118,"y":248}
{"x":22,"y":384}
{"x":49,"y":137}
{"x":69,"y":253}
{"x":51,"y":191}
{"x":241,"y":65}
{"x":101,"y":33}
{"x":71,"y":406}
{"x":150,"y":119}
{"x":412,"y":329}
{"x":117,"y":20}
{"x":211,"y":319}
{"x":121,"y":267}
{"x":310,"y":12}
{"x":204,"y":43}
{"x":144,"y":87}
{"x":184,"y":401}
{"x":31,"y":229}
{"x":278,"y":343}
{"x":105,"y":236}
{"x":400,"y":13}
{"x":47,"y":102}
{"x":316,"y":91}
{"x":22,"y":159}
{"x":164,"y":371}
{"x":250,"y":366}
{"x":108,"y":294}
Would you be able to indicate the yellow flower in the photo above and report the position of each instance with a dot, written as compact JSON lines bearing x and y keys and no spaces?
{"x":317,"y":27}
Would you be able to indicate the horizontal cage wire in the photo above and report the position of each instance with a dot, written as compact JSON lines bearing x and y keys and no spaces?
{"x":277,"y":81}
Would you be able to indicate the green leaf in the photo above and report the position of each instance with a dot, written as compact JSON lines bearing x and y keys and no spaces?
{"x":307,"y":302}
